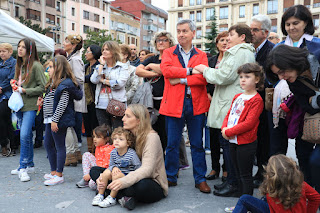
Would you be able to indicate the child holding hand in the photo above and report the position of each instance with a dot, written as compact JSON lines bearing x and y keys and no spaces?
{"x":103,"y":144}
{"x":123,"y":160}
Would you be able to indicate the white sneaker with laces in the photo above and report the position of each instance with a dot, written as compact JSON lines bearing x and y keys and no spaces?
{"x":54,"y":181}
{"x":16,"y":171}
{"x":97,"y":199}
{"x":109,"y":201}
{"x":48,"y":176}
{"x":23,"y":175}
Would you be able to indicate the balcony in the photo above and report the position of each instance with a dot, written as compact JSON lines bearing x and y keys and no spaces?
{"x":272,"y":11}
{"x":223,"y":17}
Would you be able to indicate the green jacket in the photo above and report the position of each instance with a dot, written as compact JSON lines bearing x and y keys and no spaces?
{"x":34,"y":88}
{"x":226,"y":80}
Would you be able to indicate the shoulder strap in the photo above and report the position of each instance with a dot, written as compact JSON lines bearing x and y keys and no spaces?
{"x":309,"y":85}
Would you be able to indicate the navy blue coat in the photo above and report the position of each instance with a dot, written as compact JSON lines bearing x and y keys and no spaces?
{"x":7,"y":71}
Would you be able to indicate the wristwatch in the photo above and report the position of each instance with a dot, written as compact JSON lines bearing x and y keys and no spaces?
{"x":190,"y":70}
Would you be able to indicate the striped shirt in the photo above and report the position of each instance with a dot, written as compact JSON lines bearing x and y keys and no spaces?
{"x":126,"y":163}
{"x":48,"y":113}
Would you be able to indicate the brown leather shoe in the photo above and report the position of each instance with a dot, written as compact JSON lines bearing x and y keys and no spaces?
{"x":203,"y":187}
{"x":172,"y":183}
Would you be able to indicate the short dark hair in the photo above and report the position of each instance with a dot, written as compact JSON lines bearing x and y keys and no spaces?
{"x":103,"y":131}
{"x":256,"y":69}
{"x":96,"y":51}
{"x":285,"y":58}
{"x":242,"y":29}
{"x":299,"y":12}
{"x":60,"y":52}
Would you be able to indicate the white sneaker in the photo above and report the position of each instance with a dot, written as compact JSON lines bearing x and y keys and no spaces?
{"x":97,"y":199}
{"x":48,"y":176}
{"x":79,"y":145}
{"x":16,"y":171}
{"x":23,"y":175}
{"x":109,"y":201}
{"x":54,"y":181}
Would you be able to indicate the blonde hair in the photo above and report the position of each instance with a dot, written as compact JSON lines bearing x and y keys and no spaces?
{"x":160,"y":34}
{"x":6,"y":46}
{"x":127,"y":134}
{"x":144,"y":127}
{"x":283,"y":180}
{"x":114,"y":48}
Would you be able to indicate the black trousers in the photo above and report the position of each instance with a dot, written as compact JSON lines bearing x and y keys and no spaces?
{"x":215,"y":150}
{"x":95,"y":172}
{"x":160,"y":125}
{"x":90,"y":120}
{"x":6,"y":128}
{"x":242,"y":158}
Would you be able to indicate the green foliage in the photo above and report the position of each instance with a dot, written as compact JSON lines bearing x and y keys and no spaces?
{"x":97,"y":38}
{"x":211,"y":37}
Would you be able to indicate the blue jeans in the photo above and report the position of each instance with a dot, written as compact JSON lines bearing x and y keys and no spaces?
{"x":248,"y":203}
{"x":174,"y":126}
{"x":26,"y":120}
{"x":315,"y":167}
{"x":206,"y":136}
{"x":225,"y":145}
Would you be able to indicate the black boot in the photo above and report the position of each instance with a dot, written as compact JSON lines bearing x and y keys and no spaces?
{"x":221,"y":185}
{"x":228,"y":191}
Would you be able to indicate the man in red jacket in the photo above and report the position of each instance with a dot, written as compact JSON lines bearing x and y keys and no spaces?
{"x":184,"y":100}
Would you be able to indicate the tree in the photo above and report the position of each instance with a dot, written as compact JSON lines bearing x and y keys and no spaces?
{"x":211,"y":37}
{"x":98,"y":38}
{"x":35,"y":27}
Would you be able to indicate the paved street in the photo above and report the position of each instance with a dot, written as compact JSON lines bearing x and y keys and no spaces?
{"x":34,"y":196}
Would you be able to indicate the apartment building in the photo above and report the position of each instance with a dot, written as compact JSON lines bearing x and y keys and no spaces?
{"x":152,"y":19}
{"x":230,"y":12}
{"x":124,"y":26}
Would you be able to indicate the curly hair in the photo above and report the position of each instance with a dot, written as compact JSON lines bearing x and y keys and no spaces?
{"x":160,"y":34}
{"x":127,"y":134}
{"x":283,"y":180}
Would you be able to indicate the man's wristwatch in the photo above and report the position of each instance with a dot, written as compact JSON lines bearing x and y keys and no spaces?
{"x":190,"y":70}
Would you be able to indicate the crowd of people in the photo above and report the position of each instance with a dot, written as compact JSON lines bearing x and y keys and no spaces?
{"x":135,"y":107}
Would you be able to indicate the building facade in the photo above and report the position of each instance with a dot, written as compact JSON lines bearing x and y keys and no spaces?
{"x":152,"y":19}
{"x":230,"y":12}
{"x":124,"y":26}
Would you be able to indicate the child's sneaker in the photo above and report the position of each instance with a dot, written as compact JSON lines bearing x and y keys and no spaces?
{"x":23,"y":175}
{"x":127,"y":202}
{"x":97,"y":199}
{"x":229,"y":209}
{"x":48,"y":176}
{"x":54,"y":181}
{"x":109,"y":201}
{"x":16,"y":171}
{"x":92,"y":185}
{"x":82,"y":183}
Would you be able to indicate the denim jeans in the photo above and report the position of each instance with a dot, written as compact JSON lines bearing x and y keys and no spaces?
{"x":26,"y":120}
{"x":206,"y":136}
{"x":249,"y":203}
{"x":315,"y":167}
{"x":231,"y":178}
{"x":174,"y":126}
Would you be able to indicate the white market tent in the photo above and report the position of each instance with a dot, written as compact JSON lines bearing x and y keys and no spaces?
{"x":12,"y":31}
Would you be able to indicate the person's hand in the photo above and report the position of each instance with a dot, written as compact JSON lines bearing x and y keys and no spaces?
{"x":100,"y":184}
{"x":174,"y":81}
{"x":149,"y":66}
{"x":115,"y":171}
{"x":40,"y":101}
{"x":54,"y":126}
{"x":102,"y":60}
{"x":209,"y":97}
{"x":115,"y":185}
{"x":223,"y":131}
{"x":200,"y":68}
{"x":0,"y":90}
{"x":86,"y":177}
{"x":13,"y":84}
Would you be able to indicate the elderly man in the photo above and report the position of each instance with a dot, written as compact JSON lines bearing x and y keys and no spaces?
{"x":184,"y":100}
{"x":134,"y":59}
{"x":274,"y":38}
{"x":260,"y":28}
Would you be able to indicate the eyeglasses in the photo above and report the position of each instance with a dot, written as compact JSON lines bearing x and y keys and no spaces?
{"x":88,"y":52}
{"x":162,"y":40}
{"x":255,"y":30}
{"x":272,"y":37}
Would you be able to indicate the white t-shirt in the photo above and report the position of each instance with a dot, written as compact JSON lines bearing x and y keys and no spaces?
{"x":104,"y":97}
{"x":236,"y":110}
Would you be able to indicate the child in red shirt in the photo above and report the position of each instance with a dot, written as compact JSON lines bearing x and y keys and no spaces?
{"x":103,"y":144}
{"x":240,"y":126}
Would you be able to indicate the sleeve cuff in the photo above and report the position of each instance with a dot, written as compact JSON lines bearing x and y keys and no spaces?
{"x":314,"y":103}
{"x":183,"y":81}
{"x":188,"y":72}
{"x":113,"y":83}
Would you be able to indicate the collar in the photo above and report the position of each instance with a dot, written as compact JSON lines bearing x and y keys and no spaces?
{"x":260,"y":46}
{"x":177,"y":50}
{"x":289,"y":41}
{"x":182,"y":50}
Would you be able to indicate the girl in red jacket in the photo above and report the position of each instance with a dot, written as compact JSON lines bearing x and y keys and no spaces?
{"x":284,"y":189}
{"x":240,"y":126}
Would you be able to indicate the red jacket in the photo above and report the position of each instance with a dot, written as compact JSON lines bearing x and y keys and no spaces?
{"x":247,"y":127}
{"x":308,"y":194}
{"x":173,"y":96}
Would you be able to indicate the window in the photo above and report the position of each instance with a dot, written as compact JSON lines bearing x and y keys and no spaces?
{"x":210,"y":1}
{"x":315,"y":20}
{"x":85,"y":28}
{"x":73,"y":26}
{"x":86,"y":1}
{"x":199,"y":16}
{"x":58,"y":39}
{"x":50,"y":19}
{"x":180,"y":3}
{"x":272,"y":6}
{"x":199,"y":33}
{"x":287,"y":4}
{"x":96,"y":30}
{"x":191,"y":17}
{"x":316,"y":3}
{"x":103,"y":20}
{"x":104,"y":6}
{"x":58,"y":21}
{"x":96,"y":18}
{"x":223,"y":27}
{"x":242,"y":11}
{"x":96,"y":3}
{"x":73,"y":11}
{"x":16,"y":11}
{"x":191,"y":2}
{"x":255,"y":9}
{"x":223,"y":13}
{"x":209,"y":14}
{"x":58,"y":7}
{"x":274,"y":25}
{"x":121,"y":37}
{"x":199,"y":2}
{"x":179,"y":16}
{"x":86,"y":15}
{"x":198,"y":46}
{"x":307,"y":3}
{"x":50,"y":3}
{"x":161,"y":20}
{"x":34,"y":15}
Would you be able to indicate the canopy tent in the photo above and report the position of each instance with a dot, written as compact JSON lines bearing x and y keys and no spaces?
{"x":12,"y":31}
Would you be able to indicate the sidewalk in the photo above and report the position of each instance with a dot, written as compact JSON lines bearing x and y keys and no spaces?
{"x":34,"y":196}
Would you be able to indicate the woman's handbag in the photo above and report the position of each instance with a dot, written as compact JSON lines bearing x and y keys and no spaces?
{"x":15,"y":101}
{"x":269,"y":99}
{"x":116,"y":108}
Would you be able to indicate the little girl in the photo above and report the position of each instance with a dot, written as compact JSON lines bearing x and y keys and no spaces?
{"x":101,"y":140}
{"x":122,"y":161}
{"x":241,"y":124}
{"x":58,"y":110}
{"x":284,"y":189}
